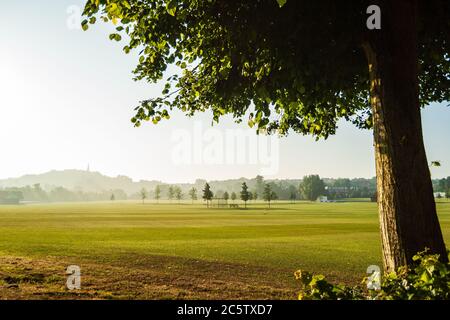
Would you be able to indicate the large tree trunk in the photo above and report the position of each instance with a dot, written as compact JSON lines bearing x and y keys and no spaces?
{"x":407,"y":210}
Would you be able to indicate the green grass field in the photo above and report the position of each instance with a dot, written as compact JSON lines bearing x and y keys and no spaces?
{"x":131,"y":250}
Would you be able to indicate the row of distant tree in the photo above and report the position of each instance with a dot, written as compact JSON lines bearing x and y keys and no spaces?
{"x":308,"y":188}
{"x":286,"y":189}
{"x":175,"y":192}
{"x":442,"y":185}
{"x":35,"y":193}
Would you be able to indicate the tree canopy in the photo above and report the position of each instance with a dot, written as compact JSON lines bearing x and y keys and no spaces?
{"x":312,"y":187}
{"x":268,"y":194}
{"x":193,"y":193}
{"x":245,"y":194}
{"x":207,"y":193}
{"x":296,"y":66}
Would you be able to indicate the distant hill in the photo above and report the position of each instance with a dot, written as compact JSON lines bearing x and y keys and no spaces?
{"x":79,"y":180}
{"x":87,"y":181}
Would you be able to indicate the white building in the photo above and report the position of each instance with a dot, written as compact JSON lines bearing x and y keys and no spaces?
{"x":439,"y":194}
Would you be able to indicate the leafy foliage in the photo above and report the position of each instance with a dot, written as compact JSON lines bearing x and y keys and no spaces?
{"x":285,"y":64}
{"x":178,"y":193}
{"x":316,"y":287}
{"x":312,"y":187}
{"x":207,"y":193}
{"x":143,"y":193}
{"x":245,"y":194}
{"x":428,"y":279}
{"x":171,"y":192}
{"x":269,"y":194}
{"x":10,"y":196}
{"x":193,"y":194}
{"x":157,"y":192}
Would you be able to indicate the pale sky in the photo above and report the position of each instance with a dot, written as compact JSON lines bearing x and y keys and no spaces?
{"x":67,"y":96}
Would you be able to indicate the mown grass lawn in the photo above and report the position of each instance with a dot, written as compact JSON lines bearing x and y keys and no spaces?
{"x":171,"y":250}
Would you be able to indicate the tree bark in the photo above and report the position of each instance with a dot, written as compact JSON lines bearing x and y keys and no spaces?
{"x":407,"y":211}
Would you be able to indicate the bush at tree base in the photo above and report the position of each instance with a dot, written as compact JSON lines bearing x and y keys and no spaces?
{"x":427,"y":279}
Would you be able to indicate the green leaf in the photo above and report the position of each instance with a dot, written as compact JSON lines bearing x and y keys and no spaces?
{"x":281,"y":2}
{"x":302,"y":89}
{"x":172,"y":7}
{"x":84,"y":25}
{"x":425,"y":277}
{"x":126,"y":4}
{"x":435,"y":163}
{"x":115,"y":36}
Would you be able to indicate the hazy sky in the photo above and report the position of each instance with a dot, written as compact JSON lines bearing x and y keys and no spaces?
{"x":67,"y":96}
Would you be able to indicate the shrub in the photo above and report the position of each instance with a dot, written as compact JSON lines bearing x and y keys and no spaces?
{"x":427,"y":279}
{"x":316,"y":287}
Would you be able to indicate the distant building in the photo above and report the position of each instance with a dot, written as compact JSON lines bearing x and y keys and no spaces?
{"x":439,"y":194}
{"x":322,"y":199}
